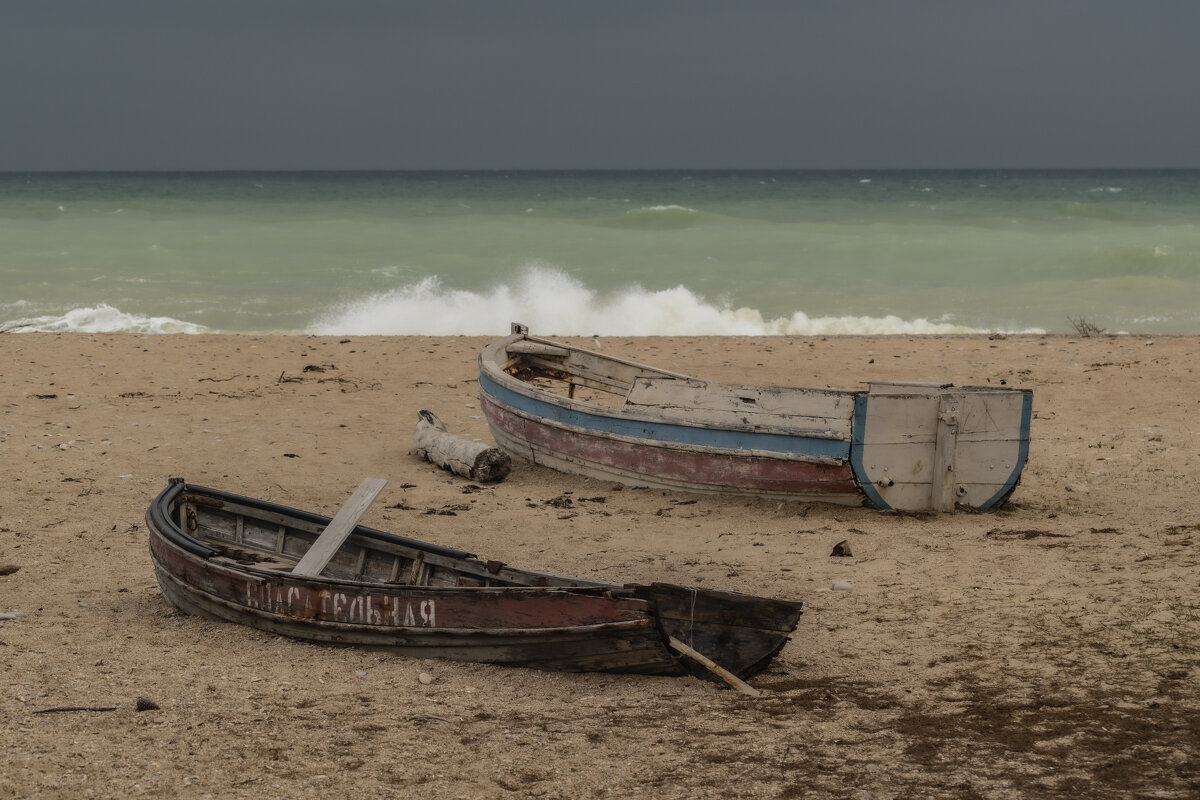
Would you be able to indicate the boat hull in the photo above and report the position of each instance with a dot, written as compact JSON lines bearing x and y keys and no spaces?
{"x":633,"y":646}
{"x":905,"y":446}
{"x":593,"y":451}
{"x":208,"y":551}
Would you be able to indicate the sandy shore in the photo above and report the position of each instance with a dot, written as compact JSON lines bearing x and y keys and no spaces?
{"x":1050,"y":649}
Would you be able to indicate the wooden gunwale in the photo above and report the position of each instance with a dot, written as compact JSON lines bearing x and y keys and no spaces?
{"x":658,"y":432}
{"x":532,"y":418}
{"x":384,"y":542}
{"x":494,"y":363}
{"x":264,"y":576}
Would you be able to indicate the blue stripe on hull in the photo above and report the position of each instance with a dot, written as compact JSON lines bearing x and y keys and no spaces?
{"x":666,"y":432}
{"x":858,"y":429}
{"x":1022,"y":454}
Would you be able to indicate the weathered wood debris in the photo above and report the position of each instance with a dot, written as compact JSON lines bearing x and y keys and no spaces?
{"x":462,"y":456}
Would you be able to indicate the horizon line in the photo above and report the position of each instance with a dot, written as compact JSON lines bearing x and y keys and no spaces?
{"x":312,"y":170}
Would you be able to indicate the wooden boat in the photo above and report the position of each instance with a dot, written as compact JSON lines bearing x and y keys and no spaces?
{"x":227,"y":557}
{"x":908,"y":446}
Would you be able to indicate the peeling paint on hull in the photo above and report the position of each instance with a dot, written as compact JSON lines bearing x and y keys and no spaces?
{"x":899,"y":445}
{"x":651,"y":463}
{"x":226,"y":557}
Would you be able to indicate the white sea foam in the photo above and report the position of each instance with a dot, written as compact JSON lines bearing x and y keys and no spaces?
{"x":551,"y":302}
{"x":101,"y":319}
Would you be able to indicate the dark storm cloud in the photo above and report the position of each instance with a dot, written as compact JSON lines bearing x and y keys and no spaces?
{"x":538,"y":84}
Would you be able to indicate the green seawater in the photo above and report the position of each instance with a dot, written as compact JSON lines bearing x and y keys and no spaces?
{"x":602,"y":252}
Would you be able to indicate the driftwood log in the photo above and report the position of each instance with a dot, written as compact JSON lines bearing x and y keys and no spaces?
{"x":466,"y":457}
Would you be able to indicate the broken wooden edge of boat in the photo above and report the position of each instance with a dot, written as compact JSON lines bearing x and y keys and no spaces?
{"x":898,"y":445}
{"x":228,"y":557}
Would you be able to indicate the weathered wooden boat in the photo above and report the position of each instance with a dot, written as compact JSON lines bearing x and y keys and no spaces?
{"x":227,"y":557}
{"x":907,"y":446}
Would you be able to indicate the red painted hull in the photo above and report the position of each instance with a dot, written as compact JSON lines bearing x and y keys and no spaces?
{"x":683,"y":468}
{"x":234,"y":563}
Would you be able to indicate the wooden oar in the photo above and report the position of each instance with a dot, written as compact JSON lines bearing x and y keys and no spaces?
{"x":714,"y":668}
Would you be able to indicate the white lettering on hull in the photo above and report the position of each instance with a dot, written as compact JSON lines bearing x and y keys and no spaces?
{"x":361,"y":609}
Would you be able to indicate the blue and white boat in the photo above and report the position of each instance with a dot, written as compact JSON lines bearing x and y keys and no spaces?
{"x":904,"y":446}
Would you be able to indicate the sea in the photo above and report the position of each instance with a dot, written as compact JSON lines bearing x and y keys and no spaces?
{"x":803,"y":253}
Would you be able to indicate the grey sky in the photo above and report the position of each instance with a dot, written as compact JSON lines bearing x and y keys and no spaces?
{"x":378,"y":84}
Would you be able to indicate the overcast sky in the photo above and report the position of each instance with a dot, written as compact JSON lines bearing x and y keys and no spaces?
{"x":509,"y":84}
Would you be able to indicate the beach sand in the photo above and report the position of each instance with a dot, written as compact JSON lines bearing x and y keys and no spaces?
{"x":1048,"y":649}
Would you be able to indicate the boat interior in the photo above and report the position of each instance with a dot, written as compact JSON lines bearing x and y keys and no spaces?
{"x":255,"y":538}
{"x":618,"y":385}
{"x":576,"y":374}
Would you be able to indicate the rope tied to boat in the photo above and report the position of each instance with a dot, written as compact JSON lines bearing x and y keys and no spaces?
{"x":692,"y":618}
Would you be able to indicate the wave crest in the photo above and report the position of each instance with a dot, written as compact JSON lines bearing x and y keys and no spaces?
{"x":661,"y":218}
{"x":551,"y":302}
{"x":101,"y":319}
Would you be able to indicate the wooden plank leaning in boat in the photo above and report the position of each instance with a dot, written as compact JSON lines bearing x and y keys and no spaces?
{"x":339,"y":528}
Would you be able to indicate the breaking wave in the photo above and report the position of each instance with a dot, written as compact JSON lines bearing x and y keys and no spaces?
{"x":551,"y":302}
{"x":100,"y":319}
